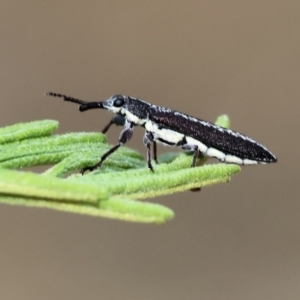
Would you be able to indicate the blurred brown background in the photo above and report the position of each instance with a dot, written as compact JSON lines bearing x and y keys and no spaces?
{"x":232,"y":241}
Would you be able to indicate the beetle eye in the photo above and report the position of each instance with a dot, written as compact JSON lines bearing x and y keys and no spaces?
{"x":119,"y":101}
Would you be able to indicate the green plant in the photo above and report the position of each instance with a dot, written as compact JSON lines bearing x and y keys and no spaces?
{"x":112,"y":191}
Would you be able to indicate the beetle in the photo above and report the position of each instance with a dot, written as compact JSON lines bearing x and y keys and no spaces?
{"x":173,"y":128}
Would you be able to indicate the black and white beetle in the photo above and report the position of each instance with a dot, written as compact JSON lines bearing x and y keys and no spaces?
{"x":174,"y":128}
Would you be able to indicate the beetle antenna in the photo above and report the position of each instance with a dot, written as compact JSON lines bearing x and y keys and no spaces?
{"x":84,"y":105}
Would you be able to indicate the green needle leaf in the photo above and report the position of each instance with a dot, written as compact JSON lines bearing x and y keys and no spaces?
{"x":23,"y":131}
{"x":111,"y":191}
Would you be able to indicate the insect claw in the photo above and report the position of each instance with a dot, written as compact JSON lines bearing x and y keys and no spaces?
{"x":195,"y":189}
{"x":90,"y":169}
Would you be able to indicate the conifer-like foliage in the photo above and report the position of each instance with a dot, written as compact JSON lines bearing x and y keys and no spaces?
{"x":113,"y":191}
